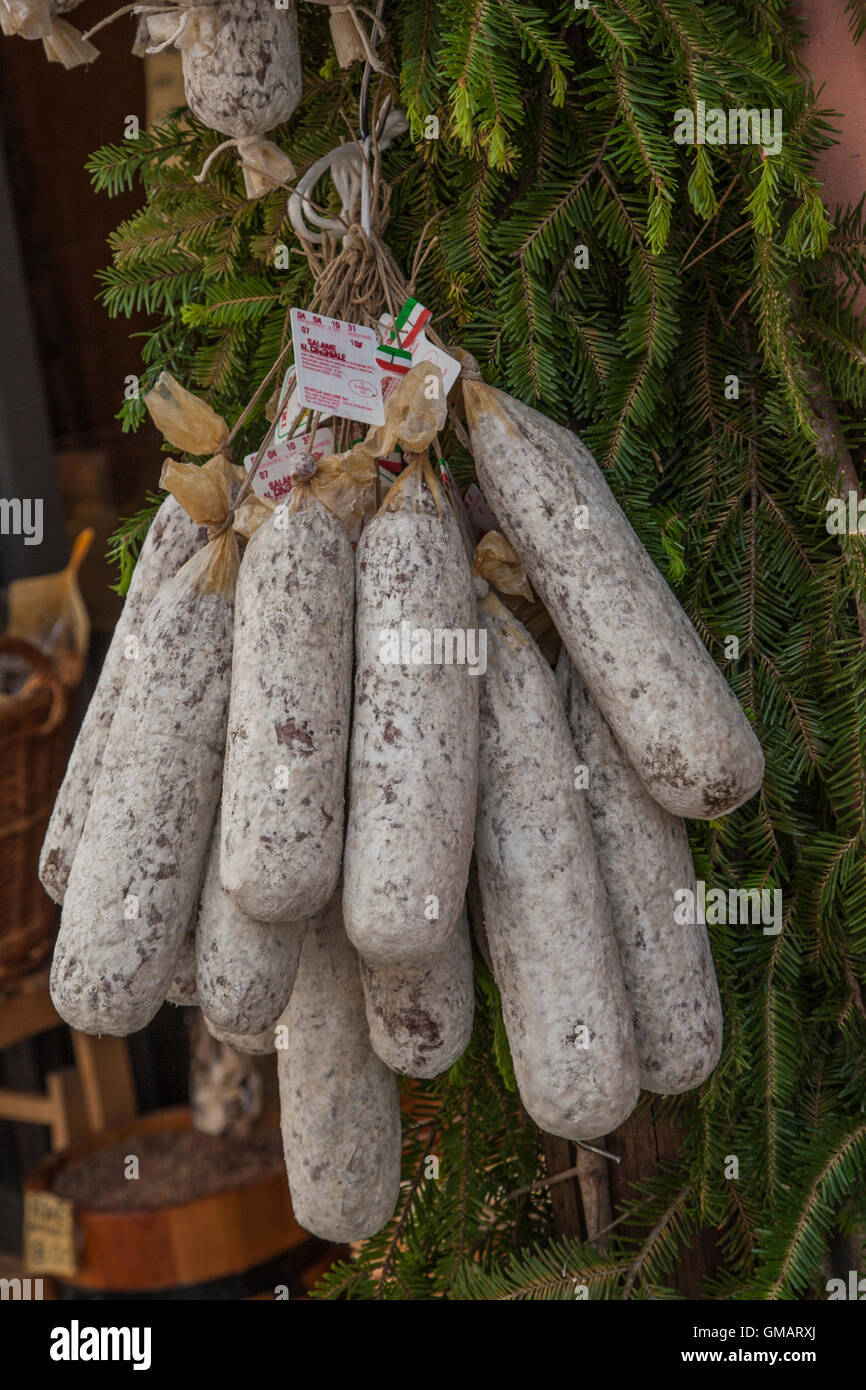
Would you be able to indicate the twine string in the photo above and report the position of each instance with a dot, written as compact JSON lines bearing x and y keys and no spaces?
{"x":355,"y":276}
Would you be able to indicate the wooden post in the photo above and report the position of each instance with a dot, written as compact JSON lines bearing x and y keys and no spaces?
{"x":643,"y":1143}
{"x":593,"y":1178}
{"x":564,"y":1196}
{"x":106,"y":1080}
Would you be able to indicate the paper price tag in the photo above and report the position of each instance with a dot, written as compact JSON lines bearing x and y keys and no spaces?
{"x":336,"y":369}
{"x":288,"y":393}
{"x":273,"y":475}
{"x":49,"y":1235}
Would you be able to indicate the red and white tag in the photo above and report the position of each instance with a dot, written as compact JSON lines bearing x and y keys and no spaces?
{"x":414,"y":347}
{"x":274,"y":474}
{"x":336,"y":369}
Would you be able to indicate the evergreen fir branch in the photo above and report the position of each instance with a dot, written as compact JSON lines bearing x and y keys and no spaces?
{"x":856,"y":11}
{"x":613,"y":34}
{"x":556,"y":1272}
{"x":420,"y":77}
{"x":792,"y":1250}
{"x":653,"y":1253}
{"x":542,"y":48}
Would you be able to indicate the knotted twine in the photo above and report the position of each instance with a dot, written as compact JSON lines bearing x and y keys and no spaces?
{"x":194,"y":32}
{"x":356,"y":278}
{"x":191,"y":25}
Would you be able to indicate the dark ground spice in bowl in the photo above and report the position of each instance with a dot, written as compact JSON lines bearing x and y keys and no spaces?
{"x":174,"y":1166}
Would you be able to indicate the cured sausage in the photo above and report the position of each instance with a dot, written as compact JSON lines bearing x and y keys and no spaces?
{"x":246,"y":81}
{"x":182,"y":990}
{"x":413,"y":757}
{"x":172,"y":539}
{"x":670,"y":707}
{"x":251,"y":81}
{"x":256,"y":1044}
{"x":285,"y":772}
{"x":420,"y":1016}
{"x":555,"y":959}
{"x":244,"y":969}
{"x":339,"y":1104}
{"x":136,"y":875}
{"x":644,"y":857}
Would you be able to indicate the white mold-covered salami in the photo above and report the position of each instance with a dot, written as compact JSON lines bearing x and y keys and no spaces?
{"x":339,"y":1103}
{"x":255,"y":1044}
{"x":136,"y":874}
{"x":244,"y":969}
{"x":665,"y":699}
{"x":645,"y":859}
{"x":555,"y":959}
{"x":285,"y":772}
{"x":251,"y":81}
{"x":172,"y":539}
{"x":412,"y":765}
{"x":420,"y":1016}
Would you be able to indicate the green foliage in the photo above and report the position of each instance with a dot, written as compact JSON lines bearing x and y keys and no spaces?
{"x":711,"y":354}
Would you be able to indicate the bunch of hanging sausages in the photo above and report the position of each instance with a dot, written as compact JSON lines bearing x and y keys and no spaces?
{"x":208,"y":783}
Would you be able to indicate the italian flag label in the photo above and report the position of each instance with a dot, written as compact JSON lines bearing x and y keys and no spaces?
{"x":393,"y":359}
{"x":410,"y":320}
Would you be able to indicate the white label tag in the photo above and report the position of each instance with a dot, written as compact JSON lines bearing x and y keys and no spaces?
{"x":289,"y":394}
{"x":425,"y":351}
{"x":335,"y":366}
{"x":274,"y":474}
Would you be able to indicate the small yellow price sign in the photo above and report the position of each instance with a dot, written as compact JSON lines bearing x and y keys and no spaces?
{"x":49,"y":1235}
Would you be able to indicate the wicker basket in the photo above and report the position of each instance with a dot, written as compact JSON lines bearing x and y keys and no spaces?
{"x":34,"y":735}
